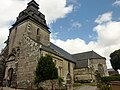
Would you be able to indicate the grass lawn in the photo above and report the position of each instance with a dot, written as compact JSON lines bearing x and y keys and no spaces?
{"x":83,"y":84}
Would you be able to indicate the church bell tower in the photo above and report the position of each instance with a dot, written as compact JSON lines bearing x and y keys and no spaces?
{"x":31,"y":22}
{"x":26,"y":35}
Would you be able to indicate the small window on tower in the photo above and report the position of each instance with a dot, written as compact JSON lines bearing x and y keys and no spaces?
{"x":38,"y":34}
{"x":55,"y":62}
{"x":38,"y":30}
{"x":69,"y":67}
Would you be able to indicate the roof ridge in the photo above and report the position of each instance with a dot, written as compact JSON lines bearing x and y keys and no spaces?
{"x":83,"y":52}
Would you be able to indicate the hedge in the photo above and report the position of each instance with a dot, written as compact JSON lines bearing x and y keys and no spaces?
{"x":110,"y":78}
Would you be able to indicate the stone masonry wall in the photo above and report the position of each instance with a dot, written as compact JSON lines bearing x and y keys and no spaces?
{"x":16,"y":35}
{"x":82,"y":75}
{"x":62,"y":66}
{"x":38,"y":33}
{"x":29,"y":53}
{"x":22,"y":37}
{"x":89,"y":72}
{"x":95,"y":62}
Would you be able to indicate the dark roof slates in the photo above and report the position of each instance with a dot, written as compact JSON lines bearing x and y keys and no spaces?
{"x":64,"y":53}
{"x":87,"y":55}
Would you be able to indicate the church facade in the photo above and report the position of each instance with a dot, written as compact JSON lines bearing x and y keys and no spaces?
{"x":28,"y":39}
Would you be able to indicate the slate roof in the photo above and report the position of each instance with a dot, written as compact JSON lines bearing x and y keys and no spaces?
{"x":112,"y":71}
{"x":56,"y":50}
{"x":87,"y":55}
{"x":82,"y":58}
{"x":62,"y":52}
{"x":81,"y":64}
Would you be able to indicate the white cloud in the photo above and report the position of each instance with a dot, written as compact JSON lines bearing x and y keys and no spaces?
{"x":108,"y":34}
{"x":104,"y":18}
{"x":116,"y":3}
{"x":76,"y":24}
{"x":54,"y":36}
{"x":74,"y":45}
{"x":11,"y":10}
{"x":53,"y":10}
{"x":3,"y":36}
{"x":108,"y":39}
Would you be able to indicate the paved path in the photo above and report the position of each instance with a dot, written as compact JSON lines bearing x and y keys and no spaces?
{"x":78,"y":88}
{"x":86,"y":88}
{"x":7,"y":88}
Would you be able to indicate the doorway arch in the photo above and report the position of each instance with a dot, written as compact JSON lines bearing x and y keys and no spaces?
{"x":68,"y":79}
{"x":101,"y":69}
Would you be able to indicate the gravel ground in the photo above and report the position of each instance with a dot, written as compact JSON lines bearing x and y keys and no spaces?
{"x":86,"y":88}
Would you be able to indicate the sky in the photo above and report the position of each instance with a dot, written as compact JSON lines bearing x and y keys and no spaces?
{"x":76,"y":25}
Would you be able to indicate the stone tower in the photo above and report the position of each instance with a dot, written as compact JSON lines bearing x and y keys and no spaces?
{"x":26,"y":36}
{"x":31,"y":22}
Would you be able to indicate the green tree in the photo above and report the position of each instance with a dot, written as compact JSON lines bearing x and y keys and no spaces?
{"x":115,"y":59}
{"x":45,"y":70}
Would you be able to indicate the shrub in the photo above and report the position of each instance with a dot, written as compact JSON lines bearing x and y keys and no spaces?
{"x":108,"y":79}
{"x":105,"y":81}
{"x":45,"y":70}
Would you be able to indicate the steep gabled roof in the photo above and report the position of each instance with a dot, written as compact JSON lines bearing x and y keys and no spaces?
{"x":82,"y":58}
{"x":87,"y":55}
{"x":55,"y":50}
{"x":81,"y":64}
{"x":62,"y":52}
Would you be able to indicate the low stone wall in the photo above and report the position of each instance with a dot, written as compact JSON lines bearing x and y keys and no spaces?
{"x":47,"y":85}
{"x":52,"y":85}
{"x":115,"y":85}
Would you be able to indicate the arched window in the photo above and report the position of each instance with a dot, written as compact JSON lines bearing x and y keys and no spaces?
{"x":69,"y":67}
{"x":55,"y":62}
{"x":60,"y":70}
{"x":68,"y":79}
{"x":38,"y":34}
{"x":101,"y":69}
{"x":38,"y":30}
{"x":9,"y":77}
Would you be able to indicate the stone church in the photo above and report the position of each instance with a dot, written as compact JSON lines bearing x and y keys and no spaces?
{"x":29,"y":38}
{"x":87,"y":63}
